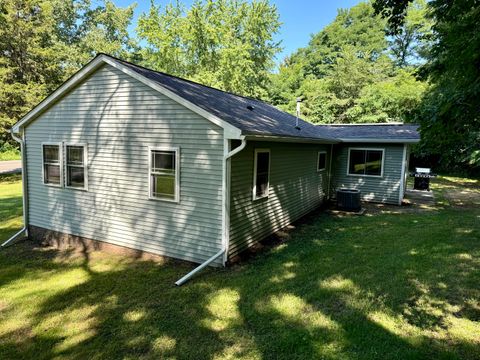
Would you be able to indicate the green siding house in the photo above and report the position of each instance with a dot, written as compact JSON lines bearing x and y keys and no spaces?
{"x":124,"y":157}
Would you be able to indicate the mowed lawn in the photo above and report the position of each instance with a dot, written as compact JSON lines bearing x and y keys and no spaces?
{"x":379,"y":286}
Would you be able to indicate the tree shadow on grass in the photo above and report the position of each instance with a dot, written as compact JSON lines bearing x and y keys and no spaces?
{"x":330,"y":292}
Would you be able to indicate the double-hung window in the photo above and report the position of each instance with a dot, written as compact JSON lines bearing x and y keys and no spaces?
{"x":321,"y":160}
{"x":365,"y":162}
{"x":76,"y":169}
{"x":52,"y":164}
{"x":164,"y":174}
{"x":261,"y":175}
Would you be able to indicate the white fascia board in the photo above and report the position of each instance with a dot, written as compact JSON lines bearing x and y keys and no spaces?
{"x":230,"y":131}
{"x":383,"y":141}
{"x":274,"y":138}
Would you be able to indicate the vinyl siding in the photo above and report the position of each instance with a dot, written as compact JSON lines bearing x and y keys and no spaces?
{"x":296,"y":188}
{"x":385,"y":189}
{"x":119,"y":118}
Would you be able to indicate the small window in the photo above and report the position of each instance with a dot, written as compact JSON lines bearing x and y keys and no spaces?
{"x":52,"y":160}
{"x":76,"y":166}
{"x":164,"y":181}
{"x":321,"y":160}
{"x":261,"y":177}
{"x":365,"y":162}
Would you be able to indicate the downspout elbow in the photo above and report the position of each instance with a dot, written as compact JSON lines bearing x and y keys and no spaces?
{"x":237,"y":149}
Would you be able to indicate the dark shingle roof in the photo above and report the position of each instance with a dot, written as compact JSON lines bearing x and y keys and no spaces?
{"x":373,"y":132}
{"x":255,"y":117}
{"x":264,"y":119}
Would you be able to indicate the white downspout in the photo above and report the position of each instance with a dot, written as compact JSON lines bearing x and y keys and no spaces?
{"x":24,"y":191}
{"x":225,"y":212}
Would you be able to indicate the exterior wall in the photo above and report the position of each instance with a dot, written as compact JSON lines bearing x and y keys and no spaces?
{"x":385,"y":189}
{"x":119,"y":118}
{"x":296,"y":188}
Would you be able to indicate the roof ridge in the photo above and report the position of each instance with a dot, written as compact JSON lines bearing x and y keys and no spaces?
{"x":182,"y":79}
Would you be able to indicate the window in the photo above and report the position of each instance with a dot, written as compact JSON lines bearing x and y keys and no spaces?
{"x":76,"y":166}
{"x":321,"y":160}
{"x":52,"y":160}
{"x":261,"y":176}
{"x":367,"y":162}
{"x":164,"y":181}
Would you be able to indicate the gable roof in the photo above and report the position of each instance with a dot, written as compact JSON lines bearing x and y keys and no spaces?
{"x":239,"y":116}
{"x":251,"y":116}
{"x":393,"y":132}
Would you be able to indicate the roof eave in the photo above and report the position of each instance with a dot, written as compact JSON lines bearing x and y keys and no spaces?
{"x":293,"y":139}
{"x":378,"y":140}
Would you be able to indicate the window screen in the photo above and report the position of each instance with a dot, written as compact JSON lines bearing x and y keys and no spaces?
{"x":322,"y":160}
{"x":51,"y":165}
{"x":163,"y":174}
{"x":76,"y":177}
{"x":262,"y":173}
{"x":365,"y":162}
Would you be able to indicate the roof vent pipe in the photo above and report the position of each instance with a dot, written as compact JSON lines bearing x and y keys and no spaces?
{"x":299,"y":100}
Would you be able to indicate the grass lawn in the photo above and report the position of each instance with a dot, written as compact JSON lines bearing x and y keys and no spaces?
{"x":379,"y":286}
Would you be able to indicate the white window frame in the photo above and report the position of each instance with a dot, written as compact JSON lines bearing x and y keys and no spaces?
{"x":176,"y":150}
{"x":60,"y":163}
{"x":255,"y":156}
{"x":318,"y":158}
{"x":366,"y":149}
{"x":85,"y":166}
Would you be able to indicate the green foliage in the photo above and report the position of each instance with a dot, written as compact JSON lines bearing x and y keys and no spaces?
{"x":350,"y":70}
{"x":44,"y":42}
{"x":356,"y":27}
{"x":227,"y":44}
{"x":9,"y":152}
{"x":450,"y":116}
{"x":410,"y":43}
{"x":450,"y":110}
{"x":393,"y":99}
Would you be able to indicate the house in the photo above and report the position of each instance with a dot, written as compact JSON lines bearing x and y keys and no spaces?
{"x":134,"y":158}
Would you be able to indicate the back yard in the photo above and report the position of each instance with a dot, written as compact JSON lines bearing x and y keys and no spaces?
{"x":384,"y":285}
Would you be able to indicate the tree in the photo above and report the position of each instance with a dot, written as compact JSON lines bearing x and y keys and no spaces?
{"x":395,"y":99}
{"x":43,"y":42}
{"x":409,"y":44}
{"x":226,"y":44}
{"x":450,"y":111}
{"x":356,"y":27}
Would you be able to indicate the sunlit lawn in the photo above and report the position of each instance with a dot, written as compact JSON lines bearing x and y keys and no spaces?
{"x":385,"y":286}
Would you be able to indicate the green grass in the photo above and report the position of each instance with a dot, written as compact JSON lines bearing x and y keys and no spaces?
{"x":10,"y":205}
{"x":384,"y":286}
{"x":9,"y":155}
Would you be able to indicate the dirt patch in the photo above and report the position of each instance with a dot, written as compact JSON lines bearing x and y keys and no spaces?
{"x":463,"y":197}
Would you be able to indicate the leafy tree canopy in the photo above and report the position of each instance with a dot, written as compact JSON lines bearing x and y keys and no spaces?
{"x":342,"y":71}
{"x":450,"y":112}
{"x":43,"y":42}
{"x":227,"y":44}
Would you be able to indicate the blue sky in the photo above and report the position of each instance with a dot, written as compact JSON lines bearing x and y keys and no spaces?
{"x":300,"y":18}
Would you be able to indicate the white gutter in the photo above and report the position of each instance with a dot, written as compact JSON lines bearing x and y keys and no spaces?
{"x":225,"y":212}
{"x":24,"y":230}
{"x":386,"y":141}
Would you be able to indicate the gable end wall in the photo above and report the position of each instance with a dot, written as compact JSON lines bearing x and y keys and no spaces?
{"x":119,"y":118}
